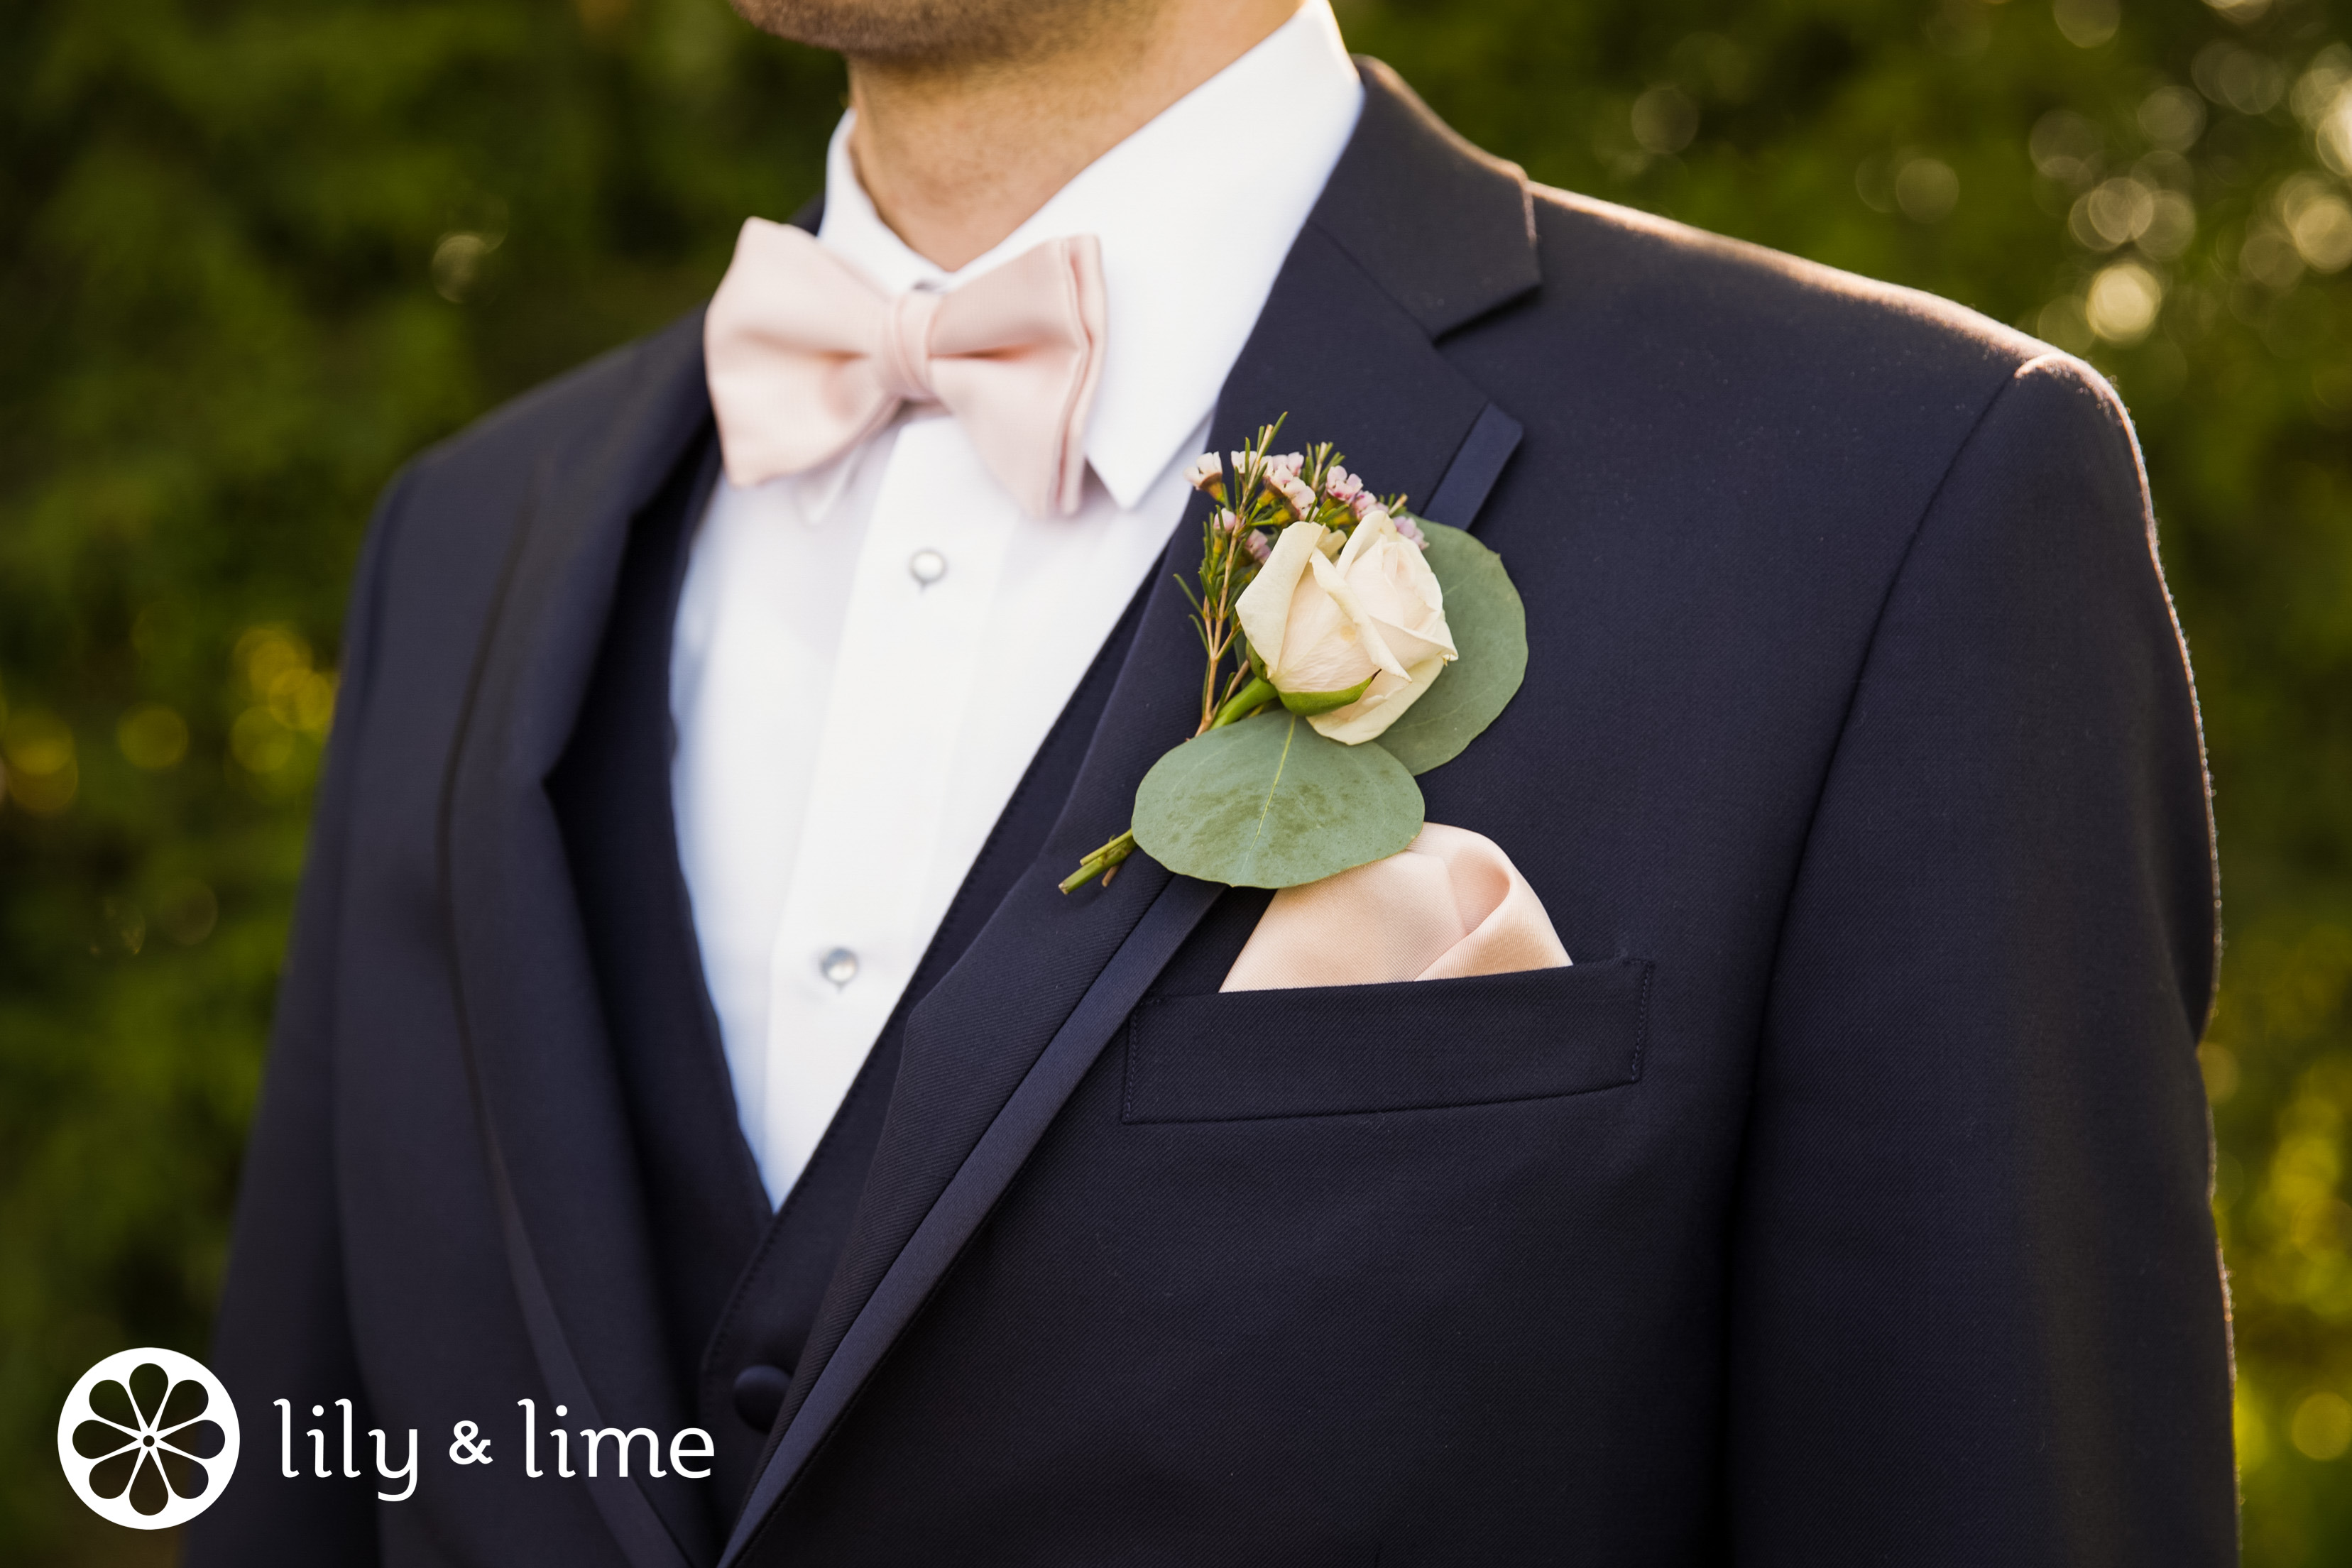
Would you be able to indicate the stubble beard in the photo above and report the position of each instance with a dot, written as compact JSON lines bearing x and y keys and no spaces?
{"x":920,"y":34}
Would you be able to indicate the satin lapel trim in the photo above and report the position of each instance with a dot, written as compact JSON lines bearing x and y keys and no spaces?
{"x":997,"y":1048}
{"x":982,"y":1179}
{"x":1470,"y":477}
{"x":561,"y":1159}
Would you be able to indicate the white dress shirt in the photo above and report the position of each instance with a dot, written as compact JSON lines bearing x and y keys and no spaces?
{"x":867,"y":656}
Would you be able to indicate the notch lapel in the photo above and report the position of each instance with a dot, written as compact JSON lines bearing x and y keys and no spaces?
{"x":556,"y":1132}
{"x":1415,"y":235}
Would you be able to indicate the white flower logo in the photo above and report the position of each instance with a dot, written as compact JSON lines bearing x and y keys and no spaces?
{"x":148,"y":1439}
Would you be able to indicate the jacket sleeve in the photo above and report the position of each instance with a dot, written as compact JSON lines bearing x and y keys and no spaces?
{"x":1976,"y":1309}
{"x":283,"y":1329}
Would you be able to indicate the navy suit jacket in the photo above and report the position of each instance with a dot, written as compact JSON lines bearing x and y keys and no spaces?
{"x":1846,"y":1203}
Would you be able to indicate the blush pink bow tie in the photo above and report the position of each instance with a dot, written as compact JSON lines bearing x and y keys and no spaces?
{"x":807,"y":357}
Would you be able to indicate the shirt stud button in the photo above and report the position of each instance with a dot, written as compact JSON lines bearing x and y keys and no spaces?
{"x":840,"y":967}
{"x":927,"y":566}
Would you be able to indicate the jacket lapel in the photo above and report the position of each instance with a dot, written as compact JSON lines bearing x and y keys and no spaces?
{"x":546,"y":1087}
{"x":1415,"y":235}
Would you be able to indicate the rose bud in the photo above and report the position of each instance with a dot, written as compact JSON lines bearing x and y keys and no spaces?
{"x":1351,"y":642}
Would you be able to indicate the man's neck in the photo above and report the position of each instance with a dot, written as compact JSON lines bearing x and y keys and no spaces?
{"x":956,"y":155}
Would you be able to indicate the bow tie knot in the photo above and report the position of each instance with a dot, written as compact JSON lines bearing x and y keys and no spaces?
{"x":807,"y":357}
{"x":902,"y":362}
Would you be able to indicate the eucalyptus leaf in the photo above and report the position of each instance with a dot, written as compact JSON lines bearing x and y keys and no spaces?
{"x":1267,"y":802}
{"x":1490,"y":633}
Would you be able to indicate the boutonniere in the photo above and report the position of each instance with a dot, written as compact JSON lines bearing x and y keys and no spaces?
{"x":1349,"y":645}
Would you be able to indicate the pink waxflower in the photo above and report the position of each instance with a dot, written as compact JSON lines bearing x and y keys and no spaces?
{"x":1229,"y":520}
{"x":1362,"y":502}
{"x":1342,"y":485}
{"x":1205,"y":473}
{"x":1296,"y":491}
{"x":1405,"y":527}
{"x":1281,"y":467}
{"x":1257,"y":546}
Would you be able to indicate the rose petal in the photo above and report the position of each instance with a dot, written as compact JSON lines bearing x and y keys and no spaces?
{"x":1365,"y":718}
{"x":1264,"y":607}
{"x":1398,"y":590}
{"x":1334,"y":582}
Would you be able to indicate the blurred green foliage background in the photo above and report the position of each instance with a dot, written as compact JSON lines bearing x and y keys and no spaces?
{"x":254,"y":253}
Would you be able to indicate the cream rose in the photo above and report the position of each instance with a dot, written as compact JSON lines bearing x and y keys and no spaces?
{"x":1324,"y":626}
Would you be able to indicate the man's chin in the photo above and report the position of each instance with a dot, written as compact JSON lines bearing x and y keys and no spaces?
{"x":942,"y":31}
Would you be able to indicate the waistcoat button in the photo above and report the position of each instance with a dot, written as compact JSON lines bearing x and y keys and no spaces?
{"x":759,"y":1391}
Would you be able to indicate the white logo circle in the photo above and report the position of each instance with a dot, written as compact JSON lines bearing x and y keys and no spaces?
{"x":148,"y":1439}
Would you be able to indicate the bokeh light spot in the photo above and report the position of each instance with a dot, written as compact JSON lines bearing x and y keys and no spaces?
{"x":2116,"y":212}
{"x":2322,"y":1428}
{"x":42,"y":770}
{"x":2269,"y":255}
{"x":187,"y":911}
{"x":263,"y":654}
{"x":2088,"y":24}
{"x":259,"y":743}
{"x":1926,"y":189}
{"x":2123,"y":301}
{"x":2245,"y":13}
{"x":2318,"y":221}
{"x":2173,"y":117}
{"x":152,"y":737}
{"x":1665,"y":119}
{"x":457,"y":264}
{"x":2229,"y":74}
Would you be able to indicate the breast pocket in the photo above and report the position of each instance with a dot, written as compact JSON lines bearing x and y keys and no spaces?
{"x":1344,"y":1049}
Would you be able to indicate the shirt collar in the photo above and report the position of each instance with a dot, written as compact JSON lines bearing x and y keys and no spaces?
{"x":1183,"y":290}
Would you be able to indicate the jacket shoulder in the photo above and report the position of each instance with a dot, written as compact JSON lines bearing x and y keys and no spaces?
{"x":1728,"y":383}
{"x":446,"y":539}
{"x":500,"y":450}
{"x":1693,"y":284}
{"x":1774,"y":433}
{"x":444,"y":531}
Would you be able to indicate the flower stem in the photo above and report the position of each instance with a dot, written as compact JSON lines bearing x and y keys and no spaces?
{"x":1248,"y":700}
{"x":1103,"y":863}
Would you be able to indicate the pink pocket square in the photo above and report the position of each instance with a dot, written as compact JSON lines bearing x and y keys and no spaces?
{"x":1451,"y":904}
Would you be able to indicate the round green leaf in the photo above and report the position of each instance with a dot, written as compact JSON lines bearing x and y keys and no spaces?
{"x":1267,"y":802}
{"x":1490,"y":633}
